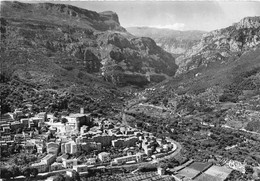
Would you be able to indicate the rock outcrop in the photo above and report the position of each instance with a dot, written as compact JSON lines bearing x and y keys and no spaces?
{"x":172,"y":41}
{"x":222,"y":46}
{"x":74,"y":40}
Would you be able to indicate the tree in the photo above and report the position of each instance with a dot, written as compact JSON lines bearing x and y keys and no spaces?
{"x":249,"y":169}
{"x":6,"y":173}
{"x":59,"y":177}
{"x":19,"y":131}
{"x":64,"y":120}
{"x":34,"y":172}
{"x":15,"y":171}
{"x":26,"y":172}
{"x":75,"y":175}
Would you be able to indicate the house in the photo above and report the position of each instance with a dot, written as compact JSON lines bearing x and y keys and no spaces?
{"x":69,"y":163}
{"x":37,"y":121}
{"x":120,"y":160}
{"x":80,"y":168}
{"x":91,"y":161}
{"x":83,"y":129}
{"x":68,"y":147}
{"x":25,"y":122}
{"x":63,"y":148}
{"x":160,"y":171}
{"x":16,"y":125}
{"x":48,"y":159}
{"x":41,"y":166}
{"x":104,"y":157}
{"x":39,"y":148}
{"x":53,"y":148}
{"x":74,"y":148}
{"x":56,"y":166}
{"x":148,"y":151}
{"x":53,"y":151}
{"x":78,"y":120}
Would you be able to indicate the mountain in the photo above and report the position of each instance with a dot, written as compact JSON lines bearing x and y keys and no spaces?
{"x":222,"y":46}
{"x":173,"y":41}
{"x":75,"y":39}
{"x":61,"y":15}
{"x":218,"y":80}
{"x":76,"y":54}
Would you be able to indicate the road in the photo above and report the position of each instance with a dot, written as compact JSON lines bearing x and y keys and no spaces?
{"x":226,"y":126}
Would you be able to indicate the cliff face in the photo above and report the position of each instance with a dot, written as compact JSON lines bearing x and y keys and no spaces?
{"x":56,"y":40}
{"x":61,"y":14}
{"x":172,"y":41}
{"x":222,"y":46}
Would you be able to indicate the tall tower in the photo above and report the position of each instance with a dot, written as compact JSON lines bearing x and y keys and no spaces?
{"x":82,"y":110}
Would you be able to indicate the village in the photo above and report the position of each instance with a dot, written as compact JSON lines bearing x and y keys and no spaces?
{"x":78,"y":141}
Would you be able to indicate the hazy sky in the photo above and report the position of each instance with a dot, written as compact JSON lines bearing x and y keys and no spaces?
{"x":180,"y":15}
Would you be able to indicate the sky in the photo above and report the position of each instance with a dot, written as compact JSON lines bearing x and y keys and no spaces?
{"x":178,"y":15}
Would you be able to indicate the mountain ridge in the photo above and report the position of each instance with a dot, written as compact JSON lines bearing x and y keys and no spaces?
{"x":223,"y":45}
{"x":65,"y":48}
{"x":93,"y":42}
{"x":173,"y":41}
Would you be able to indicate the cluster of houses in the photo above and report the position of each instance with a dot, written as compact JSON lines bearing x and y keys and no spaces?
{"x":9,"y":124}
{"x":82,"y":134}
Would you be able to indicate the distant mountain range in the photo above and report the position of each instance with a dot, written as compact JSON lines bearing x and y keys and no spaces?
{"x":228,"y":58}
{"x":222,"y":46}
{"x":218,"y":80}
{"x":173,"y":41}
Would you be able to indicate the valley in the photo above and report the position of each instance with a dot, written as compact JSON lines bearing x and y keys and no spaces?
{"x":194,"y":89}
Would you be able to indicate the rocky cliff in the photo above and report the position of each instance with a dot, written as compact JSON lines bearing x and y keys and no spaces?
{"x":222,"y":46}
{"x":77,"y":40}
{"x":173,"y":41}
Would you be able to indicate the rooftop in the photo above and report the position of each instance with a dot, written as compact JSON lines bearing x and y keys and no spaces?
{"x":75,"y":115}
{"x":47,"y":156}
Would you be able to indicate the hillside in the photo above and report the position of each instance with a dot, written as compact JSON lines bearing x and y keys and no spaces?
{"x":71,"y":50}
{"x":80,"y":40}
{"x":222,"y":46}
{"x":173,"y":41}
{"x":218,"y":91}
{"x":211,"y":109}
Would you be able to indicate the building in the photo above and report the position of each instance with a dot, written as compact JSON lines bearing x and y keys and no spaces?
{"x":158,"y":155}
{"x":148,"y":151}
{"x":48,"y":159}
{"x":74,"y":148}
{"x":104,"y":157}
{"x":42,"y":167}
{"x":89,"y":146}
{"x":53,"y":148}
{"x":16,"y":125}
{"x":39,"y":148}
{"x":62,"y":148}
{"x":69,"y":163}
{"x":56,"y":166}
{"x":118,"y":143}
{"x":121,"y":160}
{"x":25,"y":122}
{"x":160,"y":171}
{"x":78,"y":120}
{"x":68,"y":147}
{"x":91,"y":161}
{"x":80,"y":168}
{"x":83,"y":129}
{"x":37,"y":121}
{"x":53,"y":151}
